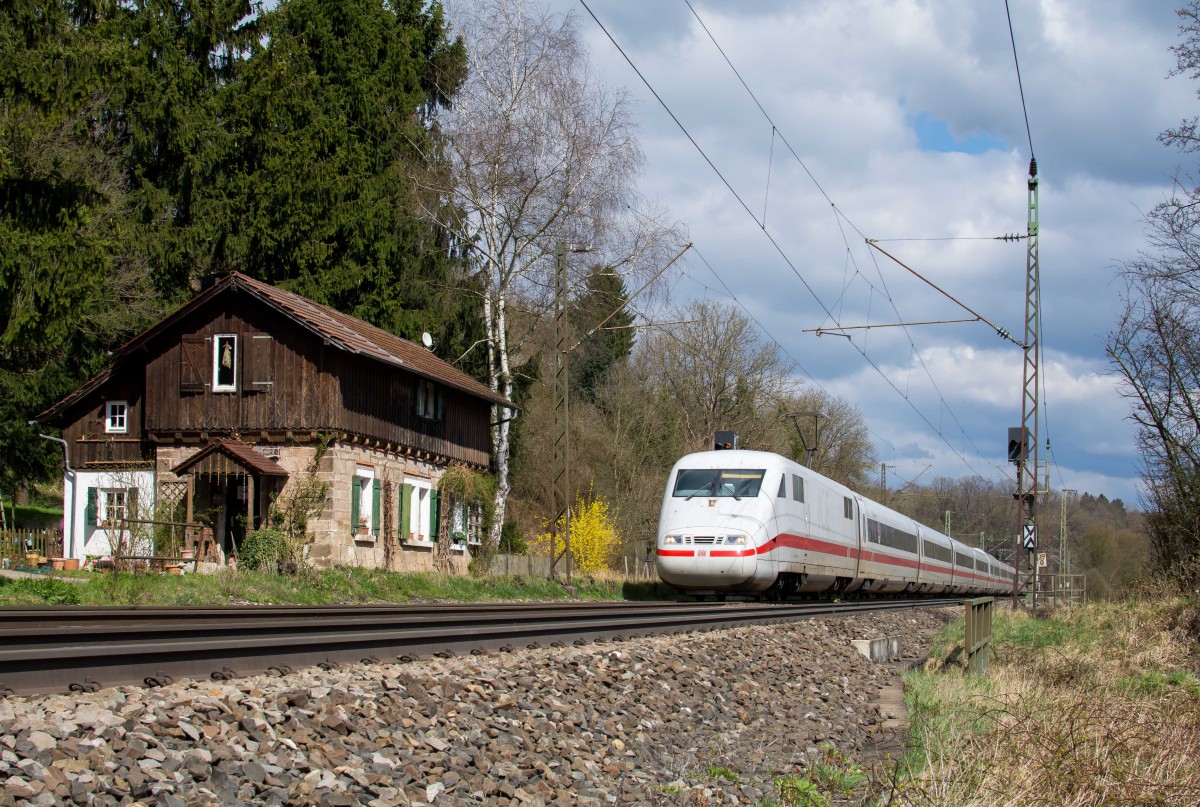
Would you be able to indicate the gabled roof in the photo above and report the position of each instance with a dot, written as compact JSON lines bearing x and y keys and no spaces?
{"x":242,"y":455}
{"x":340,"y":330}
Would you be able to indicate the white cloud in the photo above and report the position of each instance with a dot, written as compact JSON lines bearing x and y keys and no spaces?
{"x":843,"y":80}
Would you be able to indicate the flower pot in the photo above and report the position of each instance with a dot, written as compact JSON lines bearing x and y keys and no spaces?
{"x":174,"y":568}
{"x":57,"y":564}
{"x":188,"y":554}
{"x":71,"y":564}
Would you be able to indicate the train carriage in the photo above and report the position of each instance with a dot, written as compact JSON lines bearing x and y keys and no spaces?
{"x":756,"y":523}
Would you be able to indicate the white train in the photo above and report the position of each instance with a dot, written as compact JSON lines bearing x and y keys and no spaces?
{"x":751,"y":522}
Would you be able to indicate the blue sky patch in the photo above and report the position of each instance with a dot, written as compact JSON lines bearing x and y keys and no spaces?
{"x":934,"y":135}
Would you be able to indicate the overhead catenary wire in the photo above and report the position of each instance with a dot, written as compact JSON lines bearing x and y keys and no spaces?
{"x":839,"y":216}
{"x":1020,"y":85}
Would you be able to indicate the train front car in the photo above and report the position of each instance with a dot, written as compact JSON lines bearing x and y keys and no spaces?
{"x":714,"y":521}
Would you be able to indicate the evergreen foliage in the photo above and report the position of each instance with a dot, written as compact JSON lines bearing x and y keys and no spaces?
{"x":599,"y":351}
{"x":145,"y":145}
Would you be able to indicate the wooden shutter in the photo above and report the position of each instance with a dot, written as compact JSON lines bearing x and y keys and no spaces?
{"x":194,"y":363}
{"x":131,"y":501}
{"x":435,"y":521}
{"x":405,"y":505}
{"x":258,"y":360}
{"x":355,"y":496}
{"x":375,"y":519}
{"x":91,"y":511}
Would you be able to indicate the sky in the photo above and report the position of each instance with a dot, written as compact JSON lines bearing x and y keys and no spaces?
{"x":906,"y":123}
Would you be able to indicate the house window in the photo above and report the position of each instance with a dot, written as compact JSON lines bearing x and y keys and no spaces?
{"x":364,"y":504}
{"x":225,"y":363}
{"x":115,"y":413}
{"x":417,"y":502}
{"x":428,"y":400}
{"x":113,"y":504}
{"x":466,"y":523}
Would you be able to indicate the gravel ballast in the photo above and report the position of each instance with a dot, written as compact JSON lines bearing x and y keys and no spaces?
{"x":703,"y":718}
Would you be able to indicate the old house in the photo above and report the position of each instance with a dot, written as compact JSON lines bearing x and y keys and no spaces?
{"x":249,"y":395}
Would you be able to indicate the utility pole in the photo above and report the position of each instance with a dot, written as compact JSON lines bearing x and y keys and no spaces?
{"x":883,"y":481}
{"x":1027,"y":460}
{"x":562,"y":421}
{"x":948,"y":521}
{"x":1064,"y":552}
{"x":562,"y":382}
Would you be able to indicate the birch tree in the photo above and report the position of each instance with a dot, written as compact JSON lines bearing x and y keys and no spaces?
{"x":542,"y":153}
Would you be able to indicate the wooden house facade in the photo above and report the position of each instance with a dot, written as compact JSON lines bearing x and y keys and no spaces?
{"x":250,"y":396}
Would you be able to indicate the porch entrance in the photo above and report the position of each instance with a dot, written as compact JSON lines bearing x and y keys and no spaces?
{"x":230,"y":486}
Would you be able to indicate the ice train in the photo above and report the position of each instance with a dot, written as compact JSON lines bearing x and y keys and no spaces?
{"x":737,"y":522}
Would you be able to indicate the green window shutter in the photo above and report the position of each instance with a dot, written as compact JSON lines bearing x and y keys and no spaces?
{"x":435,"y":521}
{"x":375,"y":519}
{"x":405,"y":505}
{"x":92,"y":508}
{"x":355,"y":495}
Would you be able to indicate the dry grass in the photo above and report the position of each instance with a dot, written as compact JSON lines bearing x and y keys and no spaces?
{"x":1099,"y":705}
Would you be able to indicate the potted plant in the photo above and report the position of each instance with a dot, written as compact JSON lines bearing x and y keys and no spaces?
{"x":363,"y":527}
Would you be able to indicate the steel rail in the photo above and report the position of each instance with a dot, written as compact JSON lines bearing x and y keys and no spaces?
{"x":57,"y":650}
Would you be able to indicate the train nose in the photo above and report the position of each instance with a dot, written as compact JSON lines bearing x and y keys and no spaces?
{"x":701,"y":562}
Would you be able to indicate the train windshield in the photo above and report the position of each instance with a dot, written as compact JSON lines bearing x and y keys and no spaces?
{"x":713,"y":482}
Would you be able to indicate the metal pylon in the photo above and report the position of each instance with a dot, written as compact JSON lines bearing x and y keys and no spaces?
{"x":562,"y":422}
{"x":1027,"y":467}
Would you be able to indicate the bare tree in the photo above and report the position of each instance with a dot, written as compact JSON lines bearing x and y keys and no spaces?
{"x":716,"y":374}
{"x":1155,"y":348}
{"x":541,"y":153}
{"x":832,"y":427}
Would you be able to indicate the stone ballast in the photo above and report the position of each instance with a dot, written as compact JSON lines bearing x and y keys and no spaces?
{"x":643,"y":721}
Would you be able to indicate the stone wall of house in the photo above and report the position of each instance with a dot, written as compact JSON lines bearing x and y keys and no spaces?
{"x":335,"y":540}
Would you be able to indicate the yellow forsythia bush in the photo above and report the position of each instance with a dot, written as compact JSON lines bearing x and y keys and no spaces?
{"x":594,"y":539}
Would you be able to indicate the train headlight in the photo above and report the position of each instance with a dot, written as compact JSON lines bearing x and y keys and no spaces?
{"x":739,"y":540}
{"x":670,"y":539}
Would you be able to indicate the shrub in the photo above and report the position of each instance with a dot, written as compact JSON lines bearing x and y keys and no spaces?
{"x":264,"y":550}
{"x":594,"y":538}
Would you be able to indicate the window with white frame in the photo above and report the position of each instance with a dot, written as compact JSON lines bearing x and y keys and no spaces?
{"x":113,"y":505}
{"x":225,"y":349}
{"x":419,"y":509}
{"x":364,"y":510}
{"x":116,"y":415}
{"x":465,"y":523}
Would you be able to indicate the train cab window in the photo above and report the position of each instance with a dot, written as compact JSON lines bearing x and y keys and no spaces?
{"x":848,"y":507}
{"x":719,"y":482}
{"x":782,"y":487}
{"x":797,"y":488}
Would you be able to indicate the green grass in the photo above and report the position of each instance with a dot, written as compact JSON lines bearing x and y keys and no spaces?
{"x":1156,"y":683}
{"x":1078,"y":704}
{"x":325,"y":587}
{"x":32,"y":516}
{"x":721,"y":772}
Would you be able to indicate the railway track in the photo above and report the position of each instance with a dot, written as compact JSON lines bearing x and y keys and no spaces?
{"x":64,"y":648}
